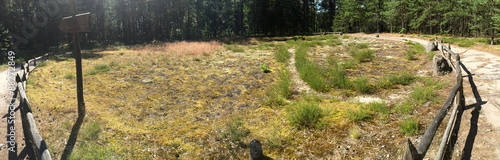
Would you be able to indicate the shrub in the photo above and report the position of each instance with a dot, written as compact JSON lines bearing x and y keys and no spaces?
{"x":362,"y":85}
{"x":98,"y":69}
{"x":362,"y":55}
{"x":235,"y":130}
{"x":306,"y":115}
{"x":409,"y":126}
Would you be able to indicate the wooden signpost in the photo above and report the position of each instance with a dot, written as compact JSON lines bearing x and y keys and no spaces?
{"x":74,"y":24}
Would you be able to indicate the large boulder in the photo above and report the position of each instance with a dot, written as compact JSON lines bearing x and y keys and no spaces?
{"x":431,"y":46}
{"x":440,"y":66}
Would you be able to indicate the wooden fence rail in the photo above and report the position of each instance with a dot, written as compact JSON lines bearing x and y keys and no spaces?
{"x":456,"y":94}
{"x":36,"y":147}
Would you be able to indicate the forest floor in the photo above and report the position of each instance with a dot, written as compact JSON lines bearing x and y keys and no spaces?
{"x":148,"y":102}
{"x":480,"y":126}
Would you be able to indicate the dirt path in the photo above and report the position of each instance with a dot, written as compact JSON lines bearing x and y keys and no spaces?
{"x":479,"y":133}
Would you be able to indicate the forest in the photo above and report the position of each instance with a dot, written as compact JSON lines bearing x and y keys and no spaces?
{"x":33,"y":25}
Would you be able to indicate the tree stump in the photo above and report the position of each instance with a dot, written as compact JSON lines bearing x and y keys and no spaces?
{"x":431,"y":46}
{"x":440,"y":66}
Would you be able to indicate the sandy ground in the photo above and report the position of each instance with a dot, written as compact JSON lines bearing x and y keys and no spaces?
{"x":5,"y":100}
{"x":479,"y":134}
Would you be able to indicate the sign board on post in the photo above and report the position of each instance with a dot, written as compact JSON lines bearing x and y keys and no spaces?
{"x":82,"y":23}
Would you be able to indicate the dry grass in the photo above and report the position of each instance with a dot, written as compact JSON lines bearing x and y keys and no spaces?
{"x":183,"y":48}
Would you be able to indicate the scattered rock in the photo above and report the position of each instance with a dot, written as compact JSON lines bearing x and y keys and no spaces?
{"x":147,"y":81}
{"x":440,"y":66}
{"x":393,"y":46}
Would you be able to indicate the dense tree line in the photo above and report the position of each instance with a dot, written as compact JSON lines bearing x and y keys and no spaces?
{"x":32,"y":24}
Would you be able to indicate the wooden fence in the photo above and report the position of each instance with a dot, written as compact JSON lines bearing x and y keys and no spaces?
{"x":35,"y":147}
{"x":455,"y":99}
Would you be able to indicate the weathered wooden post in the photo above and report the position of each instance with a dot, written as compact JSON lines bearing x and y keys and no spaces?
{"x":74,"y":24}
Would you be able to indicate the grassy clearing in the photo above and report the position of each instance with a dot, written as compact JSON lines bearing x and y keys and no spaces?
{"x":209,"y":106}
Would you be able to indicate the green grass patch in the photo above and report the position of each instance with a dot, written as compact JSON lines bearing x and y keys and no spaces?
{"x":410,"y":55}
{"x":279,"y":92}
{"x":98,"y":69}
{"x":306,"y":115}
{"x":309,"y":71}
{"x":362,"y":85}
{"x":362,"y":55}
{"x":390,"y":81}
{"x":69,"y":76}
{"x":235,"y":130}
{"x":338,"y":78}
{"x":423,"y":94}
{"x":41,"y":64}
{"x":379,"y":108}
{"x":409,"y":126}
{"x":359,"y":114}
{"x":88,"y":148}
{"x":282,"y":55}
{"x":405,"y":108}
{"x":235,"y":48}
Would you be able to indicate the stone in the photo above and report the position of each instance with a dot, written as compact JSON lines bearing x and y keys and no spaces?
{"x":431,"y":46}
{"x":256,"y":150}
{"x":440,"y":66}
